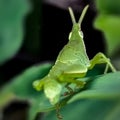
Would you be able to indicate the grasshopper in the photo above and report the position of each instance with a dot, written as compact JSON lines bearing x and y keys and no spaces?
{"x":72,"y":63}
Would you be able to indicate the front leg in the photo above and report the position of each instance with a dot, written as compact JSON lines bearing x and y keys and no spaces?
{"x":100,"y":58}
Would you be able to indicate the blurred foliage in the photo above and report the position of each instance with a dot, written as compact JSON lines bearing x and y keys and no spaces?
{"x":100,"y":100}
{"x":12,"y":14}
{"x":21,"y":88}
{"x":108,"y":7}
{"x":99,"y":91}
{"x":108,"y":21}
{"x":32,"y":40}
{"x":87,"y":109}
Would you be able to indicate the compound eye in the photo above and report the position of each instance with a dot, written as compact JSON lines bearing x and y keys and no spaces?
{"x":81,"y":34}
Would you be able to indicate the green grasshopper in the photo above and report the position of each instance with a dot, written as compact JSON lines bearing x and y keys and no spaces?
{"x":72,"y":63}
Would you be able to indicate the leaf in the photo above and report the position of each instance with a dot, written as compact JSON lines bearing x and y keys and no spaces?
{"x":108,"y":6}
{"x":100,"y":100}
{"x":110,"y":26}
{"x":12,"y":14}
{"x":22,"y":84}
{"x":103,"y":87}
{"x":89,"y":110}
{"x":21,"y":88}
{"x":39,"y":104}
{"x":108,"y":22}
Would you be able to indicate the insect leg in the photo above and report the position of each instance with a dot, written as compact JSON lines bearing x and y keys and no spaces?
{"x":70,"y":90}
{"x":59,"y":116}
{"x":71,"y":78}
{"x":99,"y":59}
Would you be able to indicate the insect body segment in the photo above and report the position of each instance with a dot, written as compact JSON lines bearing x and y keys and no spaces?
{"x":72,"y":63}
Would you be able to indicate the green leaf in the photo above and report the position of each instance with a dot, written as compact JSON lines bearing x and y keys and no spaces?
{"x":21,"y":88}
{"x":108,"y":21}
{"x":12,"y":14}
{"x":22,"y":84}
{"x":108,"y":6}
{"x":100,"y":100}
{"x":110,"y":26}
{"x":89,"y":110}
{"x":39,"y":104}
{"x":104,"y":87}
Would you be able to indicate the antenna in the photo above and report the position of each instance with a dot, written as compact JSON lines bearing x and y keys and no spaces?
{"x":83,"y":14}
{"x":72,"y":15}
